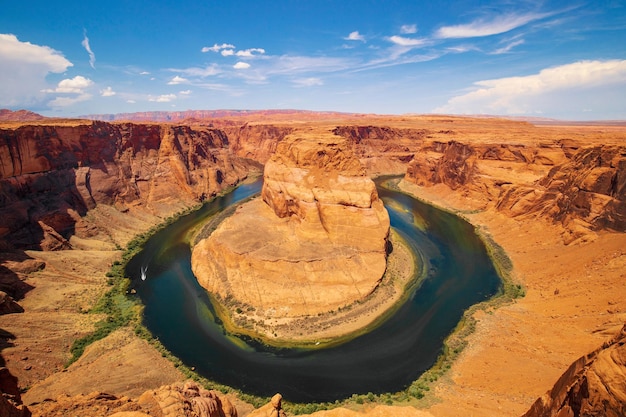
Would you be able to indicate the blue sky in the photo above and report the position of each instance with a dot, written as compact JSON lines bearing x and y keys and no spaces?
{"x":559,"y":59}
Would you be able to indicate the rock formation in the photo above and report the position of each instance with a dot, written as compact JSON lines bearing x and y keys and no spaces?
{"x":10,"y":398}
{"x":177,"y":400}
{"x":316,"y":241}
{"x":590,"y":189}
{"x":50,"y":176}
{"x":586,"y":192}
{"x":594,"y":385}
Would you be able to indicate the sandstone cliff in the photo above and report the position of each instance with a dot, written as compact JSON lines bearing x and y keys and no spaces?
{"x":315,"y":243}
{"x":587,"y":191}
{"x":594,"y":385}
{"x":51,"y":176}
{"x":584,"y":189}
{"x":177,"y":400}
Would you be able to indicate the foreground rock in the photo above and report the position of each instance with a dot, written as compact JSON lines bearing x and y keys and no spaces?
{"x":594,"y":385}
{"x":315,"y":243}
{"x":177,"y":400}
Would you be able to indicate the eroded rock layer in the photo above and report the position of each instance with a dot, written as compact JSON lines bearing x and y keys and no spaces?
{"x":315,"y":242}
{"x":51,"y":176}
{"x":594,"y":385}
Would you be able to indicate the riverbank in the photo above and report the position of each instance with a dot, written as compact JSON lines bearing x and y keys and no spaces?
{"x":575,"y":300}
{"x":402,"y":276}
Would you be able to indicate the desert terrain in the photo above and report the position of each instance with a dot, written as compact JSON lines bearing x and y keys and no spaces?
{"x":75,"y":193}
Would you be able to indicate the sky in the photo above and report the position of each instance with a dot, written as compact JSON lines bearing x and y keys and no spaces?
{"x":533,"y":58}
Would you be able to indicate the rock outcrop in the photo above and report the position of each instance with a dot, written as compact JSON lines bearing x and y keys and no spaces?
{"x":177,"y":400}
{"x":589,"y":190}
{"x":10,"y":398}
{"x":316,"y":241}
{"x":583,"y":189}
{"x":594,"y":385}
{"x":50,"y":176}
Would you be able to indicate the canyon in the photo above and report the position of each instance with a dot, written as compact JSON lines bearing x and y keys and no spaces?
{"x":319,"y":243}
{"x":75,"y":192}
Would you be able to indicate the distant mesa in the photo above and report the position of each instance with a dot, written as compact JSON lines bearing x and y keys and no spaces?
{"x":315,"y":242}
{"x":19,"y":116}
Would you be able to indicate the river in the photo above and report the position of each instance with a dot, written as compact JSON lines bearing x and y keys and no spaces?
{"x":387,"y":359}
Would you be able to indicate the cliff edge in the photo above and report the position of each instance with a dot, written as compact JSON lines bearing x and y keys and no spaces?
{"x":316,"y":242}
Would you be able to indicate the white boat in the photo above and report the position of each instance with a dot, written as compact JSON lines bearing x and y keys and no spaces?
{"x":143,"y":273}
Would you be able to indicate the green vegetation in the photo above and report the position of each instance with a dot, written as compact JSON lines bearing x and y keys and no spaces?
{"x":121,"y":310}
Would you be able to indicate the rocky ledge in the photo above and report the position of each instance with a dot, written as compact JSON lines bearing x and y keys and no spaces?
{"x":315,"y":242}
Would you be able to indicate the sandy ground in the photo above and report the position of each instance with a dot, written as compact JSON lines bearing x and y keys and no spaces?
{"x":575,"y":300}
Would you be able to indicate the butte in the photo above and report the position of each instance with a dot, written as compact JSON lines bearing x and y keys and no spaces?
{"x":314,"y":243}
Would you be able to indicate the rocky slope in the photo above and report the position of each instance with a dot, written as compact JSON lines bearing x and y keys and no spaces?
{"x":51,"y":176}
{"x":584,"y":189}
{"x":594,"y":385}
{"x":319,"y":240}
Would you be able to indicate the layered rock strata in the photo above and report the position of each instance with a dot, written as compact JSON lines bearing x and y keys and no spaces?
{"x":594,"y":385}
{"x":52,"y":175}
{"x":315,"y":242}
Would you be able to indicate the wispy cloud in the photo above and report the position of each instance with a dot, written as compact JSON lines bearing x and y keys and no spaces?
{"x":508,"y":47}
{"x":404,"y":41}
{"x":408,"y":29}
{"x":355,"y":36}
{"x":163,"y":98}
{"x":490,"y":26}
{"x":92,"y":56}
{"x":307,"y":82}
{"x":217,"y":48}
{"x":208,"y":71}
{"x":185,"y":92}
{"x":241,"y":65}
{"x":515,"y":95}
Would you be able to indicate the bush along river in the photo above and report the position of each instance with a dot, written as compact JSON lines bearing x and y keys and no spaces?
{"x":178,"y":311}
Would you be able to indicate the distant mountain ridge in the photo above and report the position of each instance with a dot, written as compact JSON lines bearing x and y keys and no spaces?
{"x":178,"y":116}
{"x":19,"y":116}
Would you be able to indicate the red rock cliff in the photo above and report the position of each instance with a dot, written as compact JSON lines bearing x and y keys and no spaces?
{"x":50,"y":176}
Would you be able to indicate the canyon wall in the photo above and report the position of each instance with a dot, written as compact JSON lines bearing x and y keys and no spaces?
{"x":51,"y":176}
{"x":314,"y":243}
{"x":584,"y":189}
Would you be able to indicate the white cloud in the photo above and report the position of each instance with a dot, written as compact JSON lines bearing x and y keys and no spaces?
{"x":569,"y":86}
{"x":131,"y":101}
{"x":207,"y":71}
{"x":185,"y":92}
{"x":308,"y":82}
{"x":92,"y":56}
{"x":408,"y":29}
{"x":488,"y":27}
{"x":163,"y":98}
{"x":71,"y":85}
{"x":24,"y":67}
{"x":403,"y":41}
{"x":227,"y":52}
{"x":65,"y":101}
{"x":355,"y":36}
{"x":178,"y":80}
{"x":508,"y":47}
{"x":250,"y":52}
{"x":107,"y":92}
{"x":217,"y":48}
{"x":241,"y":65}
{"x":144,"y":73}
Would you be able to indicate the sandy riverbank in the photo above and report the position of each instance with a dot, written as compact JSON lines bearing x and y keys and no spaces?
{"x":575,"y":300}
